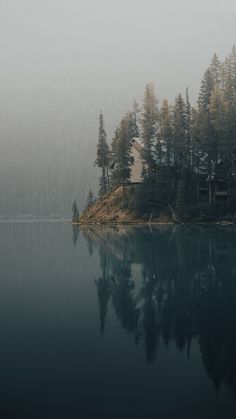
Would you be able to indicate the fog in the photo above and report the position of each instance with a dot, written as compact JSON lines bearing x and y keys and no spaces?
{"x":62,"y":61}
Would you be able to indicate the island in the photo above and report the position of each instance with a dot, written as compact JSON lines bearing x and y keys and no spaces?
{"x":174,"y":163}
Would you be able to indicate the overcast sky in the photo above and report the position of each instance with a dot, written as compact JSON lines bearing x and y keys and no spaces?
{"x":64,"y":60}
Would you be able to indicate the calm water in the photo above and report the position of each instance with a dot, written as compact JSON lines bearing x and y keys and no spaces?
{"x":117,"y":323}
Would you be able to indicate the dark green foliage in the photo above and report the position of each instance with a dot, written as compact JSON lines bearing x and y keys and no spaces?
{"x":90,"y":199}
{"x":188,"y":154}
{"x":215,"y":69}
{"x":103,"y":157}
{"x":121,"y":151}
{"x":152,"y":202}
{"x":149,"y":124}
{"x":181,"y":200}
{"x":133,"y":121}
{"x":214,"y":122}
{"x":144,"y":203}
{"x":166,"y":134}
{"x":75,"y":212}
{"x":207,"y":86}
{"x":179,"y":133}
{"x":188,"y":128}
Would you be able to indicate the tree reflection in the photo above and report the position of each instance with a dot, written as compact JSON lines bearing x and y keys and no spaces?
{"x":122,"y":298}
{"x":75,"y":233}
{"x":173,"y":285}
{"x":103,"y":285}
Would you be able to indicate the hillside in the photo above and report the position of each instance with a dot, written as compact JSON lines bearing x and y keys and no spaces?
{"x":111,"y":209}
{"x":114,"y":208}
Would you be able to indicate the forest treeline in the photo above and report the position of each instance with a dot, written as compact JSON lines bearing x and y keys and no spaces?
{"x":188,"y":153}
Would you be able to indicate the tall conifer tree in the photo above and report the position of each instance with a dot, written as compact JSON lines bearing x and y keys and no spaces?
{"x":149,"y":123}
{"x":188,"y":127}
{"x":179,"y":133}
{"x":103,"y":156}
{"x":166,"y":133}
{"x":121,"y":150}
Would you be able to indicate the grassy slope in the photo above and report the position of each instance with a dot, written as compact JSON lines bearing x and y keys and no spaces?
{"x":108,"y":210}
{"x":111,"y":210}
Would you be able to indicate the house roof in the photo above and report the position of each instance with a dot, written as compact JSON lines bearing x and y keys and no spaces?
{"x":137,"y":143}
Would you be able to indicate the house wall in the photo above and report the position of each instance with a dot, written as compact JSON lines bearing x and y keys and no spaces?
{"x":136,"y":167}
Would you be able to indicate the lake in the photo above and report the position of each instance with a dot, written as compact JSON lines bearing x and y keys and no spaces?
{"x":117,"y":322}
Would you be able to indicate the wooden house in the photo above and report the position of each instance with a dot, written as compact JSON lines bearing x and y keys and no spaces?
{"x":208,"y":190}
{"x":137,"y":163}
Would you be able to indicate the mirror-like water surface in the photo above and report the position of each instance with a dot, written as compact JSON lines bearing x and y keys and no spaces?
{"x":127,"y":322}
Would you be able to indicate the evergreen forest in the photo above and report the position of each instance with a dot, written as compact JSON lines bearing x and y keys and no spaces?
{"x":188,"y":152}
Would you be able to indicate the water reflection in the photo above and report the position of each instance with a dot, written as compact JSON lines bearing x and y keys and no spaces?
{"x":172,"y":284}
{"x":75,"y":233}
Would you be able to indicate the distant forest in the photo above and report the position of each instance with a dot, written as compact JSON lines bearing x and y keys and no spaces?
{"x":189,"y":153}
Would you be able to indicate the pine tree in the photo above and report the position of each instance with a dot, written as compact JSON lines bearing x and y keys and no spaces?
{"x":232,"y":58}
{"x":149,"y":124}
{"x":232,"y":167}
{"x":179,"y":133}
{"x":143,"y":202}
{"x":185,"y":150}
{"x":206,"y":89}
{"x":121,"y":151}
{"x":217,"y":111}
{"x":227,"y":81}
{"x":75,"y":212}
{"x":103,"y":156}
{"x":188,"y":127}
{"x":166,"y":141}
{"x":90,"y":199}
{"x":197,"y":154}
{"x":181,"y":200}
{"x":231,"y":135}
{"x":215,"y":68}
{"x":204,"y":129}
{"x":212,"y":138}
{"x":133,"y":121}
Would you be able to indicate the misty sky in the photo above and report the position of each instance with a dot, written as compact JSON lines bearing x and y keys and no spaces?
{"x":64,"y":60}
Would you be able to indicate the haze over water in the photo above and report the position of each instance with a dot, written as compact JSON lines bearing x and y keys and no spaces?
{"x":128,"y":322}
{"x":63,"y":61}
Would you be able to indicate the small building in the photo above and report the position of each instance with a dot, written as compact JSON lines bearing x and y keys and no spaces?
{"x":215,"y":188}
{"x":207,"y":190}
{"x":137,"y":163}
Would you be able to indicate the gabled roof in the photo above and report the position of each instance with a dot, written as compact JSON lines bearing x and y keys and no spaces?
{"x":137,"y":143}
